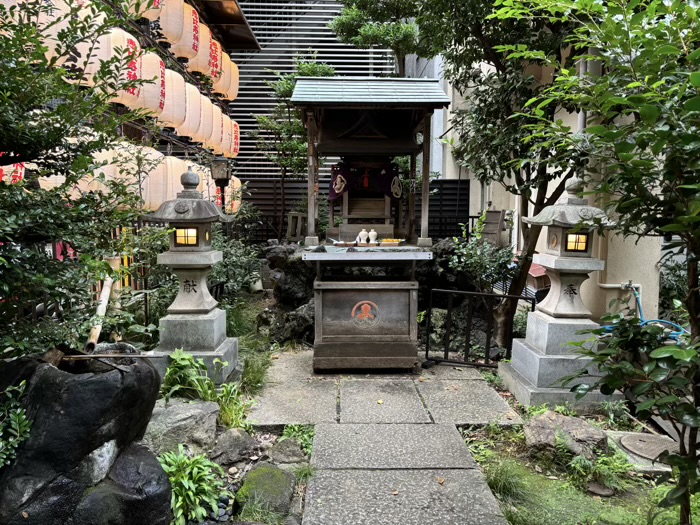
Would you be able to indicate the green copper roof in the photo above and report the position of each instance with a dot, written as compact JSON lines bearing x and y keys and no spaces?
{"x":369,"y":92}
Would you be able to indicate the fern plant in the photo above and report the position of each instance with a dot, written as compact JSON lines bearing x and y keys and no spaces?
{"x":302,"y":434}
{"x":197,"y":484}
{"x":14,"y":423}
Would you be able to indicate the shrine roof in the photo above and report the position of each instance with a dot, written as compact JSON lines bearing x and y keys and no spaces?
{"x":342,"y":92}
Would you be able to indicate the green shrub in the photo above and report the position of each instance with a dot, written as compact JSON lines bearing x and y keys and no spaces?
{"x":610,"y":470}
{"x":187,"y":377}
{"x":254,"y":371}
{"x":674,"y":287}
{"x":239,"y":267}
{"x":196,"y":482}
{"x":520,"y":321}
{"x":302,"y":434}
{"x":14,"y":423}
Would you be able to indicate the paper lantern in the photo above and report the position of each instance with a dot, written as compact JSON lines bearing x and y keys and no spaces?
{"x":12,"y":173}
{"x":142,"y":9}
{"x":89,"y":56}
{"x":175,"y":106}
{"x":222,"y":84}
{"x":206,"y":124}
{"x":232,"y":92}
{"x":154,"y":91}
{"x":193,"y":117}
{"x":234,"y":195}
{"x":188,"y":45}
{"x":153,"y":175}
{"x":216,"y":58}
{"x":131,"y":97}
{"x":171,"y":23}
{"x":216,"y":141}
{"x":201,"y":62}
{"x":56,"y":17}
{"x":232,"y":145}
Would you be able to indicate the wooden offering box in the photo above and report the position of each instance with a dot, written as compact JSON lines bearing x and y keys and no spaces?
{"x":366,"y":323}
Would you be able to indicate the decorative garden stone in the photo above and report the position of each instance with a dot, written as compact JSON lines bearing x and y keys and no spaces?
{"x":193,"y":322}
{"x":544,"y":357}
{"x":192,"y":423}
{"x":543,"y":432}
{"x":269,"y":486}
{"x":233,"y":445}
{"x":84,"y":417}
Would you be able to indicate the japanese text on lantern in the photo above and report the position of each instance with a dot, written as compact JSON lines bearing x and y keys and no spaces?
{"x":132,"y":68}
{"x":195,"y":31}
{"x":161,"y":98}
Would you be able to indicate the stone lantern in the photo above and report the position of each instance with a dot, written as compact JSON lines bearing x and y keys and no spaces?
{"x":541,"y":359}
{"x":193,"y":322}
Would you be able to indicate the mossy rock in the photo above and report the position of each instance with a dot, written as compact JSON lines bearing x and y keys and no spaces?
{"x":268,"y":486}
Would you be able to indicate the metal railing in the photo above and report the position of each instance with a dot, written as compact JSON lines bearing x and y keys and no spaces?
{"x":480,"y":310}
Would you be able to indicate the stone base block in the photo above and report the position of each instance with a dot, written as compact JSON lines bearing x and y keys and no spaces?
{"x":529,"y":395}
{"x":424,"y":242}
{"x":193,"y":332}
{"x":341,"y":356}
{"x":226,"y":352}
{"x":552,"y":334}
{"x":311,"y":241}
{"x":547,"y":370}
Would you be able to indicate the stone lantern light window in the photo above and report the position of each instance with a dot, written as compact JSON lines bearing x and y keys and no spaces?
{"x":577,"y":242}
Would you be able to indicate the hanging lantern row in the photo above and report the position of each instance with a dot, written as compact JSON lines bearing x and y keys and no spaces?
{"x":177,"y":24}
{"x":158,"y":178}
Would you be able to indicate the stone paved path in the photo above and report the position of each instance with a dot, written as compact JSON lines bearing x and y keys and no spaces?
{"x":387,"y":449}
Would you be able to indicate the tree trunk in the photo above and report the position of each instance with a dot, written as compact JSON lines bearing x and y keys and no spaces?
{"x":401,"y":61}
{"x":505,"y":311}
{"x":283,"y":204}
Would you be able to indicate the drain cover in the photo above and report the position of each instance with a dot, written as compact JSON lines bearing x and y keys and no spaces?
{"x":648,"y":446}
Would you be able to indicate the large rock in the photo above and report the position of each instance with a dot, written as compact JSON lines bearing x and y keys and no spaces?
{"x":581,"y":438}
{"x":286,"y":451}
{"x":278,"y":255}
{"x":297,"y":325}
{"x":232,"y":446}
{"x":269,"y":486}
{"x":179,"y":421}
{"x":136,"y":492}
{"x":82,"y":415}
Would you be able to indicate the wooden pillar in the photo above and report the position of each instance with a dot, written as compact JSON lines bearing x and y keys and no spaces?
{"x":412,"y":200}
{"x":424,"y":240}
{"x":311,"y":235}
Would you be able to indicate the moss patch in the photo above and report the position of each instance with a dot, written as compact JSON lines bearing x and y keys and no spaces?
{"x":269,"y":486}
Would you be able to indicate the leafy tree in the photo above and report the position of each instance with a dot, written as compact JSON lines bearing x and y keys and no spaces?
{"x":643,"y":147}
{"x":54,"y":125}
{"x":492,"y":144}
{"x":281,"y":135}
{"x":367,"y":23}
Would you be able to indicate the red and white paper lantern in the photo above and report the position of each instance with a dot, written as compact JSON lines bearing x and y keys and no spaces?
{"x":215,"y":142}
{"x":201,"y":62}
{"x":154,"y":89}
{"x":188,"y":45}
{"x":171,"y":23}
{"x":233,"y":141}
{"x":175,"y":107}
{"x":206,"y":123}
{"x":193,"y":117}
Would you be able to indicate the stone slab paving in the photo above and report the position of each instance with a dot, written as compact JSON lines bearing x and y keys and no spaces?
{"x":296,"y":402}
{"x":400,"y":497}
{"x":466,"y":403}
{"x":457,"y":373}
{"x":381,"y":401}
{"x":400,"y":446}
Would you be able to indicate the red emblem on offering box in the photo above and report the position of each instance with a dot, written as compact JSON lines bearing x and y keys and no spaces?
{"x":365,"y":314}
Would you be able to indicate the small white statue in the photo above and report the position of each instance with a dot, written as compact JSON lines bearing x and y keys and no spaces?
{"x":372,"y":236}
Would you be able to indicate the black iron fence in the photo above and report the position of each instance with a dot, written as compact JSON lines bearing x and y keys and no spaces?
{"x":464,"y":332}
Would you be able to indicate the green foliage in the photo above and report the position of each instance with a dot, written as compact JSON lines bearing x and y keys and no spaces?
{"x":484,"y":263}
{"x":302,"y":434}
{"x":239,"y":267}
{"x":673,"y":290}
{"x":493,"y":379}
{"x":44,"y":121}
{"x":617,"y":415}
{"x":660,"y":381}
{"x":520,"y":321}
{"x":390,"y":24}
{"x":565,"y":410}
{"x":254,"y":372}
{"x":504,"y":479}
{"x":610,"y":470}
{"x":304,"y":473}
{"x":14,"y":423}
{"x":187,"y":377}
{"x":256,"y":511}
{"x":196,"y":482}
